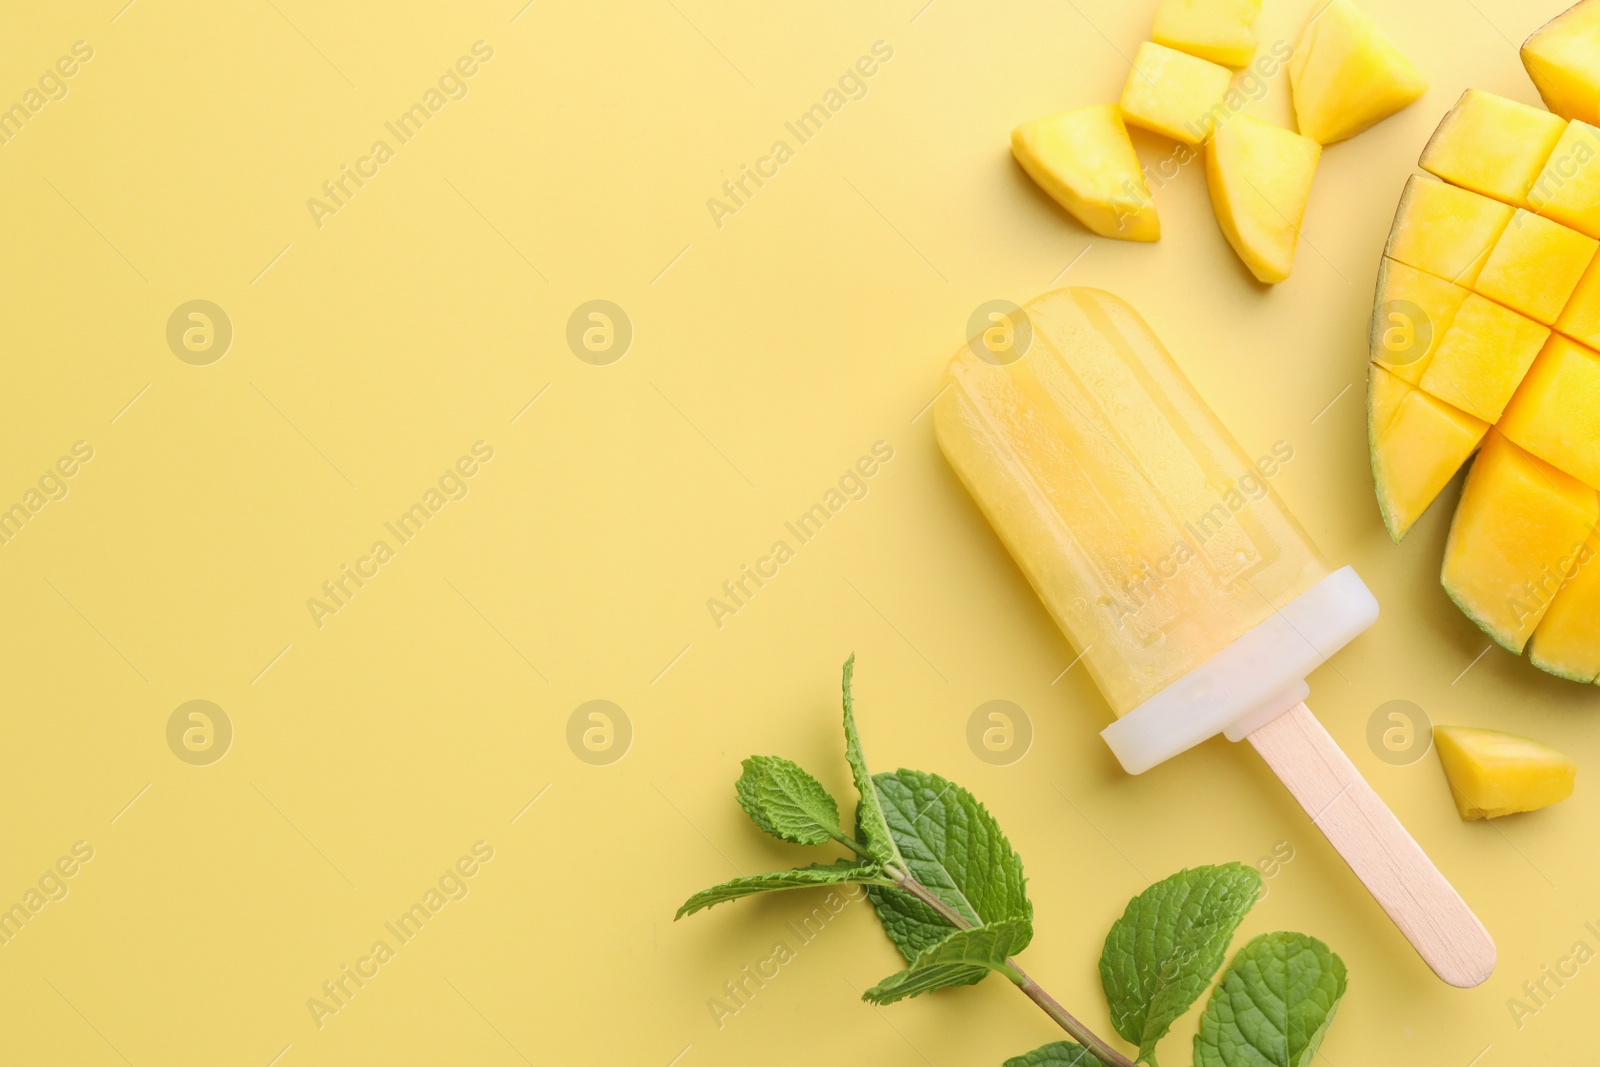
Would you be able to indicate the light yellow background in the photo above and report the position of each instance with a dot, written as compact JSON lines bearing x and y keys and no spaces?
{"x":768,"y":355}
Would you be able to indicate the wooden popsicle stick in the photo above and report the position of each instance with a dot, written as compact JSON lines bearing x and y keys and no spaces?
{"x":1360,"y":826}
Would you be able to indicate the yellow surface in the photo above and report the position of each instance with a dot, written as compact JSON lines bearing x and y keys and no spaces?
{"x":1493,"y":773}
{"x":1259,"y":176}
{"x":814,"y":322}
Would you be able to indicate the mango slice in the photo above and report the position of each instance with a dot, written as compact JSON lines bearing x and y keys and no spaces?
{"x":1493,"y":774}
{"x":1483,"y":357}
{"x":1563,"y":59}
{"x":1410,"y":317}
{"x":1222,"y":31}
{"x":1556,"y":413}
{"x":1346,"y":74}
{"x":1174,"y":94}
{"x":1493,"y":146}
{"x":1567,"y":641}
{"x":1580,"y":319}
{"x":1568,"y":187}
{"x":1535,"y":266}
{"x":1520,"y":524}
{"x":1418,"y":443}
{"x":1446,"y":231}
{"x":1259,"y":176}
{"x":1087,"y":164}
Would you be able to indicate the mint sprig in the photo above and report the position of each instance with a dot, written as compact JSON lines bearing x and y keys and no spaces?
{"x":951,"y":894}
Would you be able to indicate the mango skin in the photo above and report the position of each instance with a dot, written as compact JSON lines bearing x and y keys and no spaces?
{"x":1493,"y":774}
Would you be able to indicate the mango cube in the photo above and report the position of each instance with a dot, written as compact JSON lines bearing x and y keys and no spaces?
{"x":1346,"y":74}
{"x":1563,"y":59}
{"x":1567,"y":641}
{"x":1174,"y":94}
{"x":1492,"y":146}
{"x":1259,"y":176}
{"x":1087,"y":164}
{"x":1222,"y":31}
{"x":1483,"y":358}
{"x":1493,"y":774}
{"x":1410,"y":317}
{"x":1446,"y":231}
{"x":1580,"y":319}
{"x":1568,"y":188}
{"x":1518,"y":526}
{"x":1556,"y":413}
{"x":1535,"y":266}
{"x":1417,"y":444}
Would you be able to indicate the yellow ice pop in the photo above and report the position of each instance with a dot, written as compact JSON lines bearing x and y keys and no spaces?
{"x":1196,"y":601}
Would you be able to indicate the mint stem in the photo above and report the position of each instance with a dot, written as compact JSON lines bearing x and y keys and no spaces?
{"x":1048,"y":1004}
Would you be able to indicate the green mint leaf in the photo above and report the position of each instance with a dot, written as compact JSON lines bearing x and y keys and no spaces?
{"x":870,"y":822}
{"x":952,"y":845}
{"x":786,"y":802}
{"x":1273,"y":1005}
{"x":1056,"y":1054}
{"x":845,"y":870}
{"x":1160,"y":956}
{"x":955,"y":960}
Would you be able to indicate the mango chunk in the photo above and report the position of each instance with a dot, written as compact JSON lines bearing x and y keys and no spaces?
{"x":1568,"y":188}
{"x":1492,"y":146}
{"x":1556,"y":413}
{"x":1567,"y":641}
{"x":1493,"y":774}
{"x":1563,"y":59}
{"x":1174,"y":94}
{"x":1222,"y":31}
{"x":1346,"y":74}
{"x":1417,"y":443}
{"x":1259,"y":176}
{"x":1483,"y":358}
{"x":1580,"y":319}
{"x":1519,"y":525}
{"x":1535,"y":266}
{"x":1087,"y":164}
{"x":1410,"y":317}
{"x":1446,"y":231}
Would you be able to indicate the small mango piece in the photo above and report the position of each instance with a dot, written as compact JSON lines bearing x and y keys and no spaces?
{"x":1563,"y":59}
{"x":1222,"y":31}
{"x":1410,"y":318}
{"x":1446,"y":231}
{"x":1174,"y":94}
{"x":1493,"y":146}
{"x":1493,"y":774}
{"x":1259,"y":176}
{"x":1535,"y":266}
{"x":1087,"y":164}
{"x":1347,"y":75}
{"x":1417,"y":443}
{"x":1518,"y":527}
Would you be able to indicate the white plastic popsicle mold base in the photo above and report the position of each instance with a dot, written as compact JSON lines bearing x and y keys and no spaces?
{"x":1250,"y":682}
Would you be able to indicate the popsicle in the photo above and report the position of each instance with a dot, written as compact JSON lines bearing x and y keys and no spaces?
{"x":1188,"y":591}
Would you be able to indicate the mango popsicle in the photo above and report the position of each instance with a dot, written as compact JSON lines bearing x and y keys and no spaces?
{"x":1185,"y":586}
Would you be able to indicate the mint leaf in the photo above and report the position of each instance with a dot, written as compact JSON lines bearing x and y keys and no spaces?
{"x":1160,"y":956}
{"x":1055,"y":1054}
{"x":786,"y":802}
{"x":963,"y":957}
{"x":952,"y":845}
{"x":845,"y":870}
{"x":870,"y":822}
{"x":1273,"y":1005}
